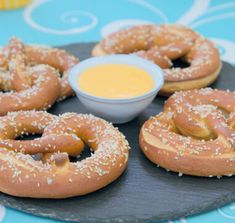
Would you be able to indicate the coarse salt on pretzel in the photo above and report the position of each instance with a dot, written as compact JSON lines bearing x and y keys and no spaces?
{"x":195,"y":134}
{"x":19,"y":123}
{"x":38,"y":54}
{"x":44,"y":84}
{"x":55,"y":176}
{"x":162,"y":44}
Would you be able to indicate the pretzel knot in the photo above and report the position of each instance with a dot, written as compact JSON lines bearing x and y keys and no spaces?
{"x":195,"y":134}
{"x":22,"y":67}
{"x":162,"y":44}
{"x":54,"y":176}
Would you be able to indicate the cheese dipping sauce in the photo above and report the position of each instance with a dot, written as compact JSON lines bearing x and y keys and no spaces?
{"x":115,"y":81}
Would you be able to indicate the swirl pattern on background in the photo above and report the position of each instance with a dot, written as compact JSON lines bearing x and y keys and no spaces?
{"x":120,"y":24}
{"x":67,"y":17}
{"x":190,"y":18}
{"x":82,"y":21}
{"x":228,"y":212}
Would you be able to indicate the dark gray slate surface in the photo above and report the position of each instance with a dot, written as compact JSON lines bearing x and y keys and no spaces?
{"x":144,"y":193}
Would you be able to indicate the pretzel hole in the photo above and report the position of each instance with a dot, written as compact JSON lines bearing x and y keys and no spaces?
{"x":2,"y":90}
{"x":28,"y":136}
{"x":31,"y":136}
{"x":87,"y":152}
{"x":180,"y":63}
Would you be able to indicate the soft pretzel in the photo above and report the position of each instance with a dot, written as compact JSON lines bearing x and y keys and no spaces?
{"x":162,"y":44}
{"x":37,"y":54}
{"x":20,"y":123}
{"x":195,"y":134}
{"x":55,"y":176}
{"x":44,"y":84}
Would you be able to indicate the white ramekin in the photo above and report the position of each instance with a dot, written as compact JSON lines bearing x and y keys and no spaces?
{"x":117,"y":110}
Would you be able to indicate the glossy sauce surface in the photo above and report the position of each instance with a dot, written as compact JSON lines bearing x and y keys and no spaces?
{"x":117,"y":81}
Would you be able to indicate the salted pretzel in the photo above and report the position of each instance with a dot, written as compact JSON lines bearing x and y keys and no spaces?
{"x":37,"y":54}
{"x":163,"y":44}
{"x":44,"y":84}
{"x":54,"y":176}
{"x":195,"y":134}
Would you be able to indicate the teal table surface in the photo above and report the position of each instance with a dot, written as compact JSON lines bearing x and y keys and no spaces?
{"x":60,"y":22}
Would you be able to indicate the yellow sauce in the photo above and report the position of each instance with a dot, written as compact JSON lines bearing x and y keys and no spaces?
{"x":115,"y":81}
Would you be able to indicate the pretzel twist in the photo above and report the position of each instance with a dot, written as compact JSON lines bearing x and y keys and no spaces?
{"x":44,"y":84}
{"x":162,"y":44}
{"x":55,"y":176}
{"x":195,"y":134}
{"x":36,"y":55}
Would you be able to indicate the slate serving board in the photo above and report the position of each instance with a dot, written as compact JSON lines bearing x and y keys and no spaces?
{"x":144,"y":193}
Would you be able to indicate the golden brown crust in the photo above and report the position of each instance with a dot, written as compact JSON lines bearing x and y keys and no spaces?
{"x":57,"y":58}
{"x":163,"y":43}
{"x":44,"y":86}
{"x":194,"y":135}
{"x":55,"y":176}
{"x":170,"y":87}
{"x":36,"y":54}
